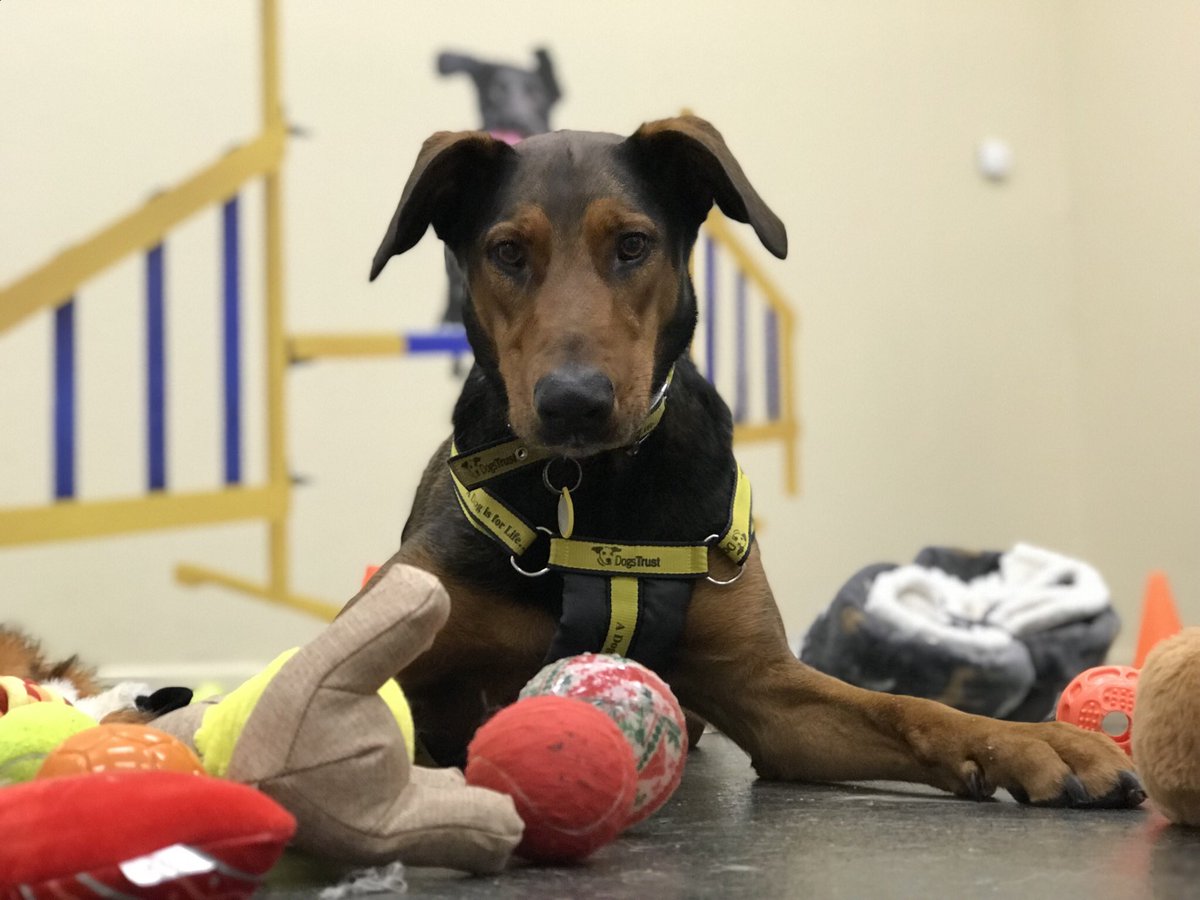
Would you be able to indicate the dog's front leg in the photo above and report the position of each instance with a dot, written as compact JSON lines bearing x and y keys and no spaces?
{"x":736,"y":670}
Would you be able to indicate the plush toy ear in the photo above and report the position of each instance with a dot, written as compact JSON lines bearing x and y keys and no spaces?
{"x":691,"y":149}
{"x":451,"y":168}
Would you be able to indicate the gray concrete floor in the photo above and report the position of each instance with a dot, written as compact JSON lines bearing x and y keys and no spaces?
{"x":725,"y":834}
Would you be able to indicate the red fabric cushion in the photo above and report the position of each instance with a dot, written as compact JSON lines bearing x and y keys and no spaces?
{"x":54,"y":830}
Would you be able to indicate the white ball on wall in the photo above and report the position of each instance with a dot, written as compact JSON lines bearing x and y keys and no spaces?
{"x":995,"y":158}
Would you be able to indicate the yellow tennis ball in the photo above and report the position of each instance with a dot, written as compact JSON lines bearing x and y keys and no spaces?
{"x":28,"y":733}
{"x":222,"y":726}
{"x":398,"y":704}
{"x":206,"y":689}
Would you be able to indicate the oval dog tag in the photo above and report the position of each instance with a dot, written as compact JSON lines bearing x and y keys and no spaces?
{"x":566,"y":514}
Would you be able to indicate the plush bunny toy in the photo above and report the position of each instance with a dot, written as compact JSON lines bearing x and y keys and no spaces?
{"x":314,"y":733}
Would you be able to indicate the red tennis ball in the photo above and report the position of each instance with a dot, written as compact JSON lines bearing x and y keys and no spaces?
{"x":568,"y":769}
{"x":120,"y":748}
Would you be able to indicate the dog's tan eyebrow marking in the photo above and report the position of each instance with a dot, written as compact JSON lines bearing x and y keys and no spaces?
{"x":528,"y":223}
{"x":608,"y":215}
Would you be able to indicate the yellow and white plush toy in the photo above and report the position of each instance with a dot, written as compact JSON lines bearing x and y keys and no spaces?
{"x":16,"y":691}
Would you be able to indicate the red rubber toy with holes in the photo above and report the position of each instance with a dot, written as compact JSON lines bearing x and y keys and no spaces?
{"x":1101,"y":699}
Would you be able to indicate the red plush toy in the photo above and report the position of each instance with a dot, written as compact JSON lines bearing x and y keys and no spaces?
{"x":149,"y":834}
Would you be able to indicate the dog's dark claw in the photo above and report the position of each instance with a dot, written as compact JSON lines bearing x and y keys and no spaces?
{"x":1127,"y":793}
{"x":1019,"y":794}
{"x":1135,"y":794}
{"x":977,"y":788}
{"x":1076,"y":793}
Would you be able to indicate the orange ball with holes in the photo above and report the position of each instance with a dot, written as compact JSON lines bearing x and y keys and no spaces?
{"x":1101,"y":699}
{"x":120,"y":748}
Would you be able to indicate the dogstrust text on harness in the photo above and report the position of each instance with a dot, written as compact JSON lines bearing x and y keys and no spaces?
{"x":627,"y":599}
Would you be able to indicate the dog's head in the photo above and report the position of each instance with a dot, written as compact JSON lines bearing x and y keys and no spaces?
{"x":511,"y":99}
{"x":575,"y":247}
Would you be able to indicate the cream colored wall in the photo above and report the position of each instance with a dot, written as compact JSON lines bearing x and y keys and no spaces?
{"x":965,"y":345}
{"x":1134,"y":126}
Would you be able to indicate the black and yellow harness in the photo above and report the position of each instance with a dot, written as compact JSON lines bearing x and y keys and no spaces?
{"x":625,"y":598}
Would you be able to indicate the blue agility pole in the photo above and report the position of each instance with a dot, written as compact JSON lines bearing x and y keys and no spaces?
{"x":448,"y":340}
{"x":156,"y":401}
{"x":772,"y":329}
{"x":231,"y":310}
{"x":64,"y":400}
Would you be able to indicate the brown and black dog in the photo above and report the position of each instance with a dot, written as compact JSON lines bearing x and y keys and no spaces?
{"x":576,"y":249}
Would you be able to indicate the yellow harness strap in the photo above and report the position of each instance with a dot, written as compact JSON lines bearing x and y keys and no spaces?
{"x":479,"y":466}
{"x":739,"y":533}
{"x":639,"y":560}
{"x":626,"y":597}
{"x":492,"y":517}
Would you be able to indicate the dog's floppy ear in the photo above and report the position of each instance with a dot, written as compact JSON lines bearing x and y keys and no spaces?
{"x":450,"y":166}
{"x":691,"y":148}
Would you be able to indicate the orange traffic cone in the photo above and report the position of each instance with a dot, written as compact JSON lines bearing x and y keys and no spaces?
{"x":1160,"y":619}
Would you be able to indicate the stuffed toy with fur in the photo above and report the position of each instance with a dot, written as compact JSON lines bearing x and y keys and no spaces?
{"x":23,"y":662}
{"x":314,"y":733}
{"x":1166,"y":727}
{"x":21,"y":656}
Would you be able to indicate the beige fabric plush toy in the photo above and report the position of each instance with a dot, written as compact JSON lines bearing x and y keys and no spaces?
{"x":313,"y":732}
{"x":1166,"y":727}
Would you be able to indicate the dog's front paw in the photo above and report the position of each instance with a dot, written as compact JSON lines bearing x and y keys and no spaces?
{"x":1046,"y":764}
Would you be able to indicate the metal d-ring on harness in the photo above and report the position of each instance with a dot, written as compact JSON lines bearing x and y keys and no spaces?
{"x":545,"y":570}
{"x":741,"y":566}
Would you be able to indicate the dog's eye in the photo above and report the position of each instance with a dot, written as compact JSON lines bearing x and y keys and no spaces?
{"x":632,"y":246}
{"x":509,"y":254}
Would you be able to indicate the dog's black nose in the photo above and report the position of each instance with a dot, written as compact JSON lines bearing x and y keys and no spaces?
{"x":573,"y":402}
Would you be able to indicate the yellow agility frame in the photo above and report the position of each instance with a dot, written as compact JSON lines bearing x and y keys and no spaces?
{"x":51,"y":284}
